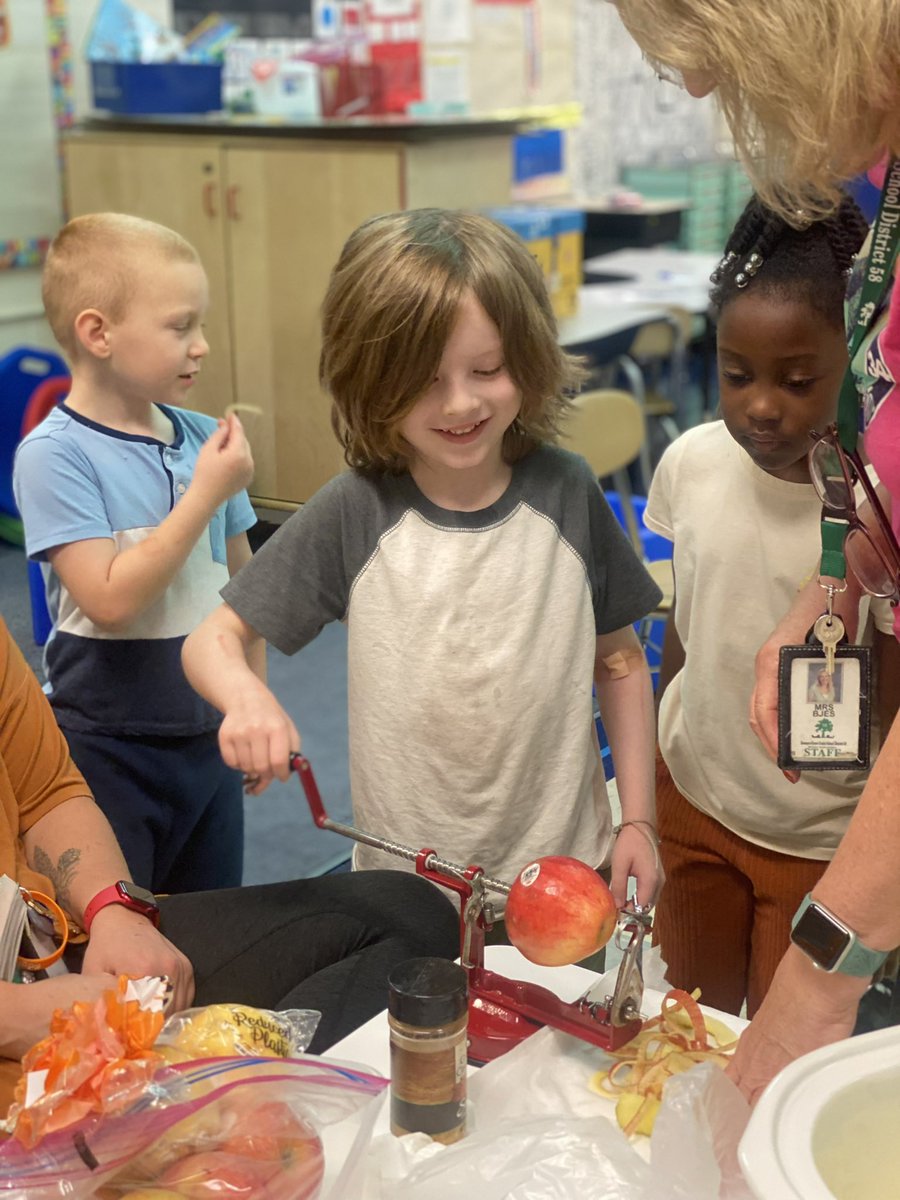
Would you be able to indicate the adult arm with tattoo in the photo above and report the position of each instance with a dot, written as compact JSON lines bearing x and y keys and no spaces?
{"x":50,"y":827}
{"x":75,"y":847}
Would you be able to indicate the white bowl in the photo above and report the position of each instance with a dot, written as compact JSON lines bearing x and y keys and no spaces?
{"x":828,"y":1127}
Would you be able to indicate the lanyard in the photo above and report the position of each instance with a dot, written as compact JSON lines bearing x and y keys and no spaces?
{"x":45,"y":907}
{"x":876,"y":280}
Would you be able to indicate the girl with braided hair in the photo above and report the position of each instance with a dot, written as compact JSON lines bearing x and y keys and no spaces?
{"x":741,"y":846}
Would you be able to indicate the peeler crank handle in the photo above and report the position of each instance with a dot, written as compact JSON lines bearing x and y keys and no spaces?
{"x":302,"y":766}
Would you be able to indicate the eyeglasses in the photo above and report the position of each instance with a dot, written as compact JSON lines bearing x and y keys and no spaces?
{"x":872,"y":551}
{"x":663,"y":72}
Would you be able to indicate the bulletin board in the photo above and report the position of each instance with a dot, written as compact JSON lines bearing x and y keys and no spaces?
{"x":499,"y":54}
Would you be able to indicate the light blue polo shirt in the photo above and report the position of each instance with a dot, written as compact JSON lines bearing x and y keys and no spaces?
{"x":75,"y":479}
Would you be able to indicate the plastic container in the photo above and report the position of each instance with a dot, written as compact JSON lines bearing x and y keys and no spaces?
{"x":827,"y":1127}
{"x":171,"y":87}
{"x":428,"y":1020}
{"x":535,"y":228}
{"x":537,"y":152}
{"x":555,"y":236}
{"x":568,"y":253}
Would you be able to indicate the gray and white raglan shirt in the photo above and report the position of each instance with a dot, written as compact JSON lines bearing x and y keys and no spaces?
{"x":470,"y":653}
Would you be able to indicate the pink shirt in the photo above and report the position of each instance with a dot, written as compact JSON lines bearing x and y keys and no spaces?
{"x":881,"y":407}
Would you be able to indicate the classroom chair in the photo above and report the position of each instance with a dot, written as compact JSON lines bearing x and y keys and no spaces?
{"x":42,"y":401}
{"x":655,"y":368}
{"x":21,"y":370}
{"x":608,"y":428}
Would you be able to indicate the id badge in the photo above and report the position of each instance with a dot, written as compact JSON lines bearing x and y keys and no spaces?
{"x":824,"y":718}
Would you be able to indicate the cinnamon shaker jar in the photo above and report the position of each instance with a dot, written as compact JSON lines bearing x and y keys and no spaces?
{"x":428,"y":1017}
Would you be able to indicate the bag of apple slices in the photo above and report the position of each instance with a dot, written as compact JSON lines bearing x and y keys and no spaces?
{"x":246,"y":1128}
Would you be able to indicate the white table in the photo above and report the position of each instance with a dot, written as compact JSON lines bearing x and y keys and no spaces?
{"x":598,"y":320}
{"x":653,"y":275}
{"x":369,"y":1045}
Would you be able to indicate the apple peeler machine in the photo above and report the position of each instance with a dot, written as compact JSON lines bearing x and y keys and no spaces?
{"x":502,"y":1011}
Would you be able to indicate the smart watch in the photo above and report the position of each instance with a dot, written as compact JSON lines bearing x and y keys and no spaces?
{"x":831,"y":944}
{"x":129,"y":895}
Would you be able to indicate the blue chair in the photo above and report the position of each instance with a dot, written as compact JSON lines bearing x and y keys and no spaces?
{"x":21,"y":371}
{"x":31,"y":382}
{"x":608,"y":428}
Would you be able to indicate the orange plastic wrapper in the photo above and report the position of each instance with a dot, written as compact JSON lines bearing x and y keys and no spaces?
{"x":97,"y":1058}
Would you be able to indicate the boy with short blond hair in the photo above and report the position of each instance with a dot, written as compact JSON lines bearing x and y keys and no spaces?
{"x":137,"y":508}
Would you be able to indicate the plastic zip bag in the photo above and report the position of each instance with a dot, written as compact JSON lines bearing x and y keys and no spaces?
{"x":248,"y":1128}
{"x":540,"y":1133}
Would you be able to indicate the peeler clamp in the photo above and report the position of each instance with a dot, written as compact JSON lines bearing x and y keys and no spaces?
{"x":624,"y":1005}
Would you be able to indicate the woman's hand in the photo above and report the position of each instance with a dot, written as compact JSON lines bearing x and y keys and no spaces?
{"x":125,"y":943}
{"x":791,"y":630}
{"x":803,"y":1009}
{"x":764,"y":701}
{"x":27,"y":1008}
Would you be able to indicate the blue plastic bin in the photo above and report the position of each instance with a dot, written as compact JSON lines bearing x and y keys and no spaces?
{"x":538,"y":152}
{"x":125,"y":87}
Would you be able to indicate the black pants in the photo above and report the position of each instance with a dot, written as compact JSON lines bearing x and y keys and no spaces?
{"x":327,"y":943}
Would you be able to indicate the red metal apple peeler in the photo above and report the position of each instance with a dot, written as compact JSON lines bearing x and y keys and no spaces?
{"x":503,"y":1012}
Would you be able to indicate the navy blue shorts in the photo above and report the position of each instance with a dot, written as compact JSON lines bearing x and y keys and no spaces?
{"x":176,"y":809}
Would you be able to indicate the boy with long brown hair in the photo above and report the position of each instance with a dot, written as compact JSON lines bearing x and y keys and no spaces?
{"x":483,"y":579}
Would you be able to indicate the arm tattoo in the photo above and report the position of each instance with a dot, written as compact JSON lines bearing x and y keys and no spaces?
{"x":61,"y":875}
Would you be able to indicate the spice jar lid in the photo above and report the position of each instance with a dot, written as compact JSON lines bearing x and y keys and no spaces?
{"x":427,"y":991}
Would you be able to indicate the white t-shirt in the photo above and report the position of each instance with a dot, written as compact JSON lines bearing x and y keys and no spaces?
{"x":744,"y":544}
{"x":471,"y":647}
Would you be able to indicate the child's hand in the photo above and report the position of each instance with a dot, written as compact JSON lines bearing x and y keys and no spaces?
{"x":634,"y":854}
{"x":224,"y":464}
{"x":258,"y":737}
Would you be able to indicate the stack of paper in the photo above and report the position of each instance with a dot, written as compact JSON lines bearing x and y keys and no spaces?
{"x":12,"y":925}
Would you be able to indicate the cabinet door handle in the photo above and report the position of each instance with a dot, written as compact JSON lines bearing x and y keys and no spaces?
{"x":231,"y":202}
{"x":209,"y":199}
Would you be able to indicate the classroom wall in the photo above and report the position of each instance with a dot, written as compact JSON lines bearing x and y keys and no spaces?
{"x":630,"y":117}
{"x":499,"y":54}
{"x":30,"y":188}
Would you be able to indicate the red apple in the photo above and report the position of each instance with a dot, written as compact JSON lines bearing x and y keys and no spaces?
{"x":559,"y":911}
{"x":213,"y":1175}
{"x":271,"y":1131}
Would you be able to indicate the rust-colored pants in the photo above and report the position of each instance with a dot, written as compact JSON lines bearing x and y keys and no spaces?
{"x":723,"y":919}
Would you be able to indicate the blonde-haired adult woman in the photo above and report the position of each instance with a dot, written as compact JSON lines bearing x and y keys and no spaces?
{"x":811,"y":92}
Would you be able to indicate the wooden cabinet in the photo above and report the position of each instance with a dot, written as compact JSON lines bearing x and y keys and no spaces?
{"x":178,"y":183}
{"x":268,"y":217}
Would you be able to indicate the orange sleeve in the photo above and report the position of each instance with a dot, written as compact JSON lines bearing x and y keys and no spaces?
{"x":10,"y":1070}
{"x":36,"y":771}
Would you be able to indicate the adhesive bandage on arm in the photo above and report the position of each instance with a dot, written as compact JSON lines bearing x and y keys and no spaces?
{"x":620,"y":664}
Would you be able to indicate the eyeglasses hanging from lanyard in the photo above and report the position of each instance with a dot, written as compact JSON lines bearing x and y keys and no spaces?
{"x":872,"y":551}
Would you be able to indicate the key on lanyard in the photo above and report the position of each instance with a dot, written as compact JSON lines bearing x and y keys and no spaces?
{"x":829,"y":629}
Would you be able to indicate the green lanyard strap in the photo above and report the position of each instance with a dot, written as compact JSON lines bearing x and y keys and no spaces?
{"x":876,"y":281}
